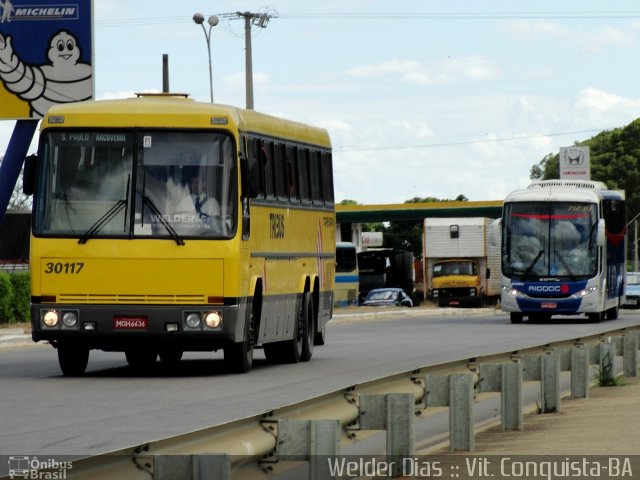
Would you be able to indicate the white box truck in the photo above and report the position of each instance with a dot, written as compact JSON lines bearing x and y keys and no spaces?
{"x":461,"y":267}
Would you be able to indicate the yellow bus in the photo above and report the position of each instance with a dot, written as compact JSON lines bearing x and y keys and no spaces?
{"x":163,"y":225}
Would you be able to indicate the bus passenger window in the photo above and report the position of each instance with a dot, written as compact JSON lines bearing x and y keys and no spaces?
{"x":266,"y":159}
{"x":316,"y":185}
{"x":279,"y":172}
{"x":291,"y":174}
{"x":303,"y":174}
{"x":327,"y":179}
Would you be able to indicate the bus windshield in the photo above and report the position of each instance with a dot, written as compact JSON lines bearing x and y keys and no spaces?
{"x":125,"y":183}
{"x":550,"y":239}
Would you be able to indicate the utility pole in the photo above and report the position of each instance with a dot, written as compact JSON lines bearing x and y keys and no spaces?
{"x":259,"y":20}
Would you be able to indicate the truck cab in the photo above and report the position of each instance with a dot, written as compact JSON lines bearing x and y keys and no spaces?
{"x":456,"y":282}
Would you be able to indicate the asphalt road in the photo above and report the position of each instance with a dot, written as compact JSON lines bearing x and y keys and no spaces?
{"x":42,"y":412}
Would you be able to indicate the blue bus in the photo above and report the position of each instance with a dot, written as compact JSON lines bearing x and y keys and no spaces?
{"x":563,"y":251}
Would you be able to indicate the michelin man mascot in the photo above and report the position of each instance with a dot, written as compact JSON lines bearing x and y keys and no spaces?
{"x":63,"y":80}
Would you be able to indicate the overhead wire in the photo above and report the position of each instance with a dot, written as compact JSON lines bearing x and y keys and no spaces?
{"x":533,"y":15}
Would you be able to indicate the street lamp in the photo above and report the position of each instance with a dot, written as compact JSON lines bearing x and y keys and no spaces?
{"x":212,"y":21}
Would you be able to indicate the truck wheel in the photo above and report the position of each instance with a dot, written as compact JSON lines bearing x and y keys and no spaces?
{"x":516,"y":317}
{"x":73,"y":360}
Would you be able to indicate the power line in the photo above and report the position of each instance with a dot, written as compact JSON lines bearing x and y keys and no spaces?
{"x":565,"y":15}
{"x":468,"y":142}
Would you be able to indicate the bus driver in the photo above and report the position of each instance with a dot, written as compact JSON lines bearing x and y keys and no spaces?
{"x":199,"y":205}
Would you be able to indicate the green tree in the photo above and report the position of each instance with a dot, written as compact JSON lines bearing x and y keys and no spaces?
{"x":615,"y":160}
{"x":407,"y":235}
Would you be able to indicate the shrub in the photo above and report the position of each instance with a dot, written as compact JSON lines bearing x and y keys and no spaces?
{"x":6,"y":297}
{"x":21,"y":296}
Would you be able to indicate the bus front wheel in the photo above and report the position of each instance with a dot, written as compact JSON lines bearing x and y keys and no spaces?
{"x":239,"y":356}
{"x":516,"y":317}
{"x":73,"y":360}
{"x":141,"y":359}
{"x":596,"y":317}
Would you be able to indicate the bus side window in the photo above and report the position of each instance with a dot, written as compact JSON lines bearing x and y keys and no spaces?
{"x":614,"y":215}
{"x":316,"y":184}
{"x":266,"y":160}
{"x":280,"y":173}
{"x":303,"y":174}
{"x":291,"y":173}
{"x":327,"y":179}
{"x":256,"y":172}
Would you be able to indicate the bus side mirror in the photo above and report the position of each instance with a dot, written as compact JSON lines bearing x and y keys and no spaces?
{"x":29,"y":174}
{"x":601,"y":238}
{"x":495,"y":231}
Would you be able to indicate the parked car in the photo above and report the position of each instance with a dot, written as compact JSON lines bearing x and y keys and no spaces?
{"x":632,"y":290}
{"x":387,"y":297}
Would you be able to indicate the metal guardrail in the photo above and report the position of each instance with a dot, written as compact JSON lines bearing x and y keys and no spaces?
{"x":14,"y":267}
{"x":261,"y":445}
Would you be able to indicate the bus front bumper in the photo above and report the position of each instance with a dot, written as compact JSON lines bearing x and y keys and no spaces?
{"x":117,"y":327}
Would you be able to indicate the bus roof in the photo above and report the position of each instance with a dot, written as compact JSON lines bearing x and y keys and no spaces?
{"x":178,"y":111}
{"x":564,"y":191}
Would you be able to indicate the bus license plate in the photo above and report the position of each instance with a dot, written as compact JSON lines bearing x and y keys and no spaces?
{"x":130,"y":323}
{"x":549,"y":305}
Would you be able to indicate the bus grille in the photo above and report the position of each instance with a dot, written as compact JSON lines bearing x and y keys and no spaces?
{"x":130,"y":299}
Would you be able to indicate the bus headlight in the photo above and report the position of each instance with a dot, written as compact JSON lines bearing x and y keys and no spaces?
{"x":585,"y":292}
{"x":70,"y":319}
{"x":472,"y":292}
{"x":193,"y":320}
{"x":513,"y":292}
{"x":213,"y":319}
{"x":50,"y":318}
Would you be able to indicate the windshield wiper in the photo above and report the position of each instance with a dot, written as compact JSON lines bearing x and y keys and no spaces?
{"x":107,"y":217}
{"x":564,"y":264}
{"x":152,"y":206}
{"x":533,"y":264}
{"x":593,"y":229}
{"x":102,"y":221}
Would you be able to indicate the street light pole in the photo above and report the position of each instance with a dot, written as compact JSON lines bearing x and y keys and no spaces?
{"x":635,"y":241}
{"x":198,"y":18}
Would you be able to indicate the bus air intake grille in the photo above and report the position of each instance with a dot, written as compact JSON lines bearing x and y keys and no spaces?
{"x":131,"y":299}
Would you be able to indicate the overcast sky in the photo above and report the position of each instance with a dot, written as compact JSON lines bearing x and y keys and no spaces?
{"x":422,"y":98}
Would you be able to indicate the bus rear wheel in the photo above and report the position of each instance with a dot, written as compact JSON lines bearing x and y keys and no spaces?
{"x":320,"y":338}
{"x":73,"y":360}
{"x":300,"y":347}
{"x":306,"y":326}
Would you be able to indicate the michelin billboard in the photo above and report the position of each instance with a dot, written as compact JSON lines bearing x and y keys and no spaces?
{"x":46,"y":53}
